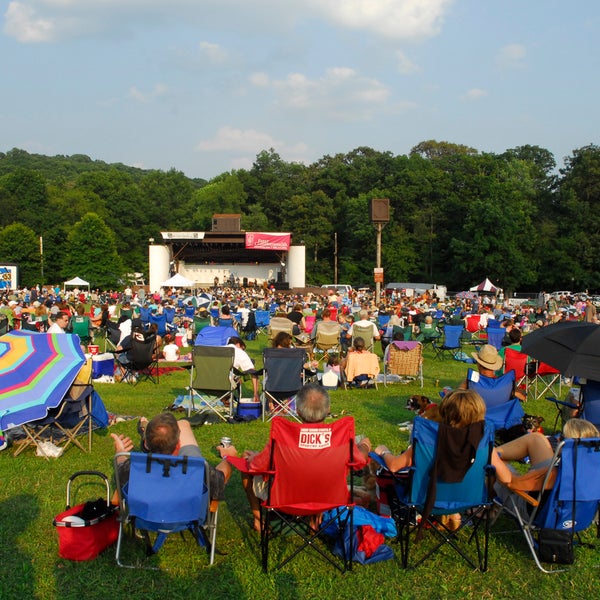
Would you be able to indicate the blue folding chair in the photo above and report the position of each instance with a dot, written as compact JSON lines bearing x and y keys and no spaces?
{"x":470,"y":497}
{"x":452,"y":342}
{"x":165,"y":494}
{"x":495,"y":335}
{"x":566,"y":502}
{"x":590,"y":392}
{"x":263,"y":320}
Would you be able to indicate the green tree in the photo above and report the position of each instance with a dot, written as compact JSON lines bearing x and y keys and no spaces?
{"x":19,"y":244}
{"x":92,"y":254}
{"x":223,"y":195}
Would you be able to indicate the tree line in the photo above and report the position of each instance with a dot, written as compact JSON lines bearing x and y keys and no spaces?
{"x":457,"y":215}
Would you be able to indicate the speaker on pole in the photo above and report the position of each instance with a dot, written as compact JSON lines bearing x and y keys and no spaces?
{"x":380,"y":210}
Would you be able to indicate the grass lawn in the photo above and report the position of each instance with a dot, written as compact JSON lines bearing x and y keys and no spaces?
{"x":33,"y":493}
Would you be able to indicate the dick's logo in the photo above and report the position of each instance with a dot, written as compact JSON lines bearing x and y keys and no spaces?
{"x":315,"y":439}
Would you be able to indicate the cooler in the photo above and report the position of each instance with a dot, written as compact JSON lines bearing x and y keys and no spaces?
{"x":248,"y":409}
{"x":103,"y":364}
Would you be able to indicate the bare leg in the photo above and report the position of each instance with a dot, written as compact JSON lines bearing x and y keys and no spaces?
{"x":247,"y":484}
{"x":535,"y":445}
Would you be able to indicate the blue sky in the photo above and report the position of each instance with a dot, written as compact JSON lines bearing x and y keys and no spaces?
{"x":203,"y":86}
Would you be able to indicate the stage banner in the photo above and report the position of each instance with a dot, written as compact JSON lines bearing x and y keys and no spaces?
{"x":267,"y":241}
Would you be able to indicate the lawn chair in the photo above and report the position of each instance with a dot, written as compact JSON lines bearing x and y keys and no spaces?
{"x":562,"y":505}
{"x":404,"y":359}
{"x":495,"y":335}
{"x":72,"y":418}
{"x":165,"y":494}
{"x":283,"y":376}
{"x":278,"y":324}
{"x":327,"y":340}
{"x":212,"y":385}
{"x":503,"y":410}
{"x":366,"y":333}
{"x":142,"y":362}
{"x":546,"y":380}
{"x":411,"y":495}
{"x":82,"y":326}
{"x":517,"y":361}
{"x":361,"y":370}
{"x":263,"y":318}
{"x":452,"y":342}
{"x":308,"y":475}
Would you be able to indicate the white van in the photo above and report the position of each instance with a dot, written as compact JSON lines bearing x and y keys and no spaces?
{"x":339,"y":288}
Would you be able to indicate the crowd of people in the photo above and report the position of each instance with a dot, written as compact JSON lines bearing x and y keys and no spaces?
{"x":51,"y":310}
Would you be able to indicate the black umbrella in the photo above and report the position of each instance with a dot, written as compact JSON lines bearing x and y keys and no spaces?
{"x":572,"y":347}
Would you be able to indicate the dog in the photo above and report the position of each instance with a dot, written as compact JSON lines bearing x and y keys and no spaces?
{"x":424,"y":407}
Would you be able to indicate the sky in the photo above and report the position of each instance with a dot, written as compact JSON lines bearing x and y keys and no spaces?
{"x":203,"y":86}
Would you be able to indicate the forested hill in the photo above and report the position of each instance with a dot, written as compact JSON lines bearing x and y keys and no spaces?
{"x":457,"y":214}
{"x":65,"y":168}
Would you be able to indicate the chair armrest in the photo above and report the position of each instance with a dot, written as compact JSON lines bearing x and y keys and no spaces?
{"x":562,"y":402}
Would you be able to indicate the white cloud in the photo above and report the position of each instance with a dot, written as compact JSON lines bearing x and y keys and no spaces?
{"x":158,"y":90}
{"x":511,"y":56}
{"x":250,"y":142}
{"x":213,"y":52}
{"x":397,"y":19}
{"x":52,"y":20}
{"x":341,"y":92}
{"x":475,"y":94}
{"x":23,"y":23}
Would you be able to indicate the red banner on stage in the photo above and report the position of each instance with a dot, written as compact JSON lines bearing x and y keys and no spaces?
{"x":267,"y":241}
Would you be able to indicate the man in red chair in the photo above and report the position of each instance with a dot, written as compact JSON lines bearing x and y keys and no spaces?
{"x":312,"y":407}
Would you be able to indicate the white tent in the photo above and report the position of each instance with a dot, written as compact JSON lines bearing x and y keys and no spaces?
{"x":177,"y":281}
{"x":485,"y":286}
{"x":77,"y":282}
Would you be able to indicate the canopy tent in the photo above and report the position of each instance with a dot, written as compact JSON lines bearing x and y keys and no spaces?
{"x":485,"y":286}
{"x":177,"y":281}
{"x":76,"y":282}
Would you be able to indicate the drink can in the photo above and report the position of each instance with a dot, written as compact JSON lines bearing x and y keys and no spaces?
{"x":225,"y":442}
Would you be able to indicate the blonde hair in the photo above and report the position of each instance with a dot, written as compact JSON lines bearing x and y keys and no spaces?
{"x":580,"y":428}
{"x":461,"y":408}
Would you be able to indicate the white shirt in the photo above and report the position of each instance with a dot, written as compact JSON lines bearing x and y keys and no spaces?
{"x":241,"y":361}
{"x":55,"y":328}
{"x":171,"y":352}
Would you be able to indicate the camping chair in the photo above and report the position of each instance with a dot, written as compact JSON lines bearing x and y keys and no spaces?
{"x":564,"y":504}
{"x":211,"y":379}
{"x":263,"y":318}
{"x":495,"y":335}
{"x":470,"y":497}
{"x":503,"y":410}
{"x":161,"y":323}
{"x":327,"y":340}
{"x":585,"y":404}
{"x":144,"y":314}
{"x":406,"y":331}
{"x":309,"y":322}
{"x":200,"y":323}
{"x":546,"y":380}
{"x":82,"y":326}
{"x":366,"y":333}
{"x":278,"y":324}
{"x":142,"y":363}
{"x":72,"y":418}
{"x":283,"y":376}
{"x":404,"y":359}
{"x":112,"y":335}
{"x":165,"y":494}
{"x":361,"y":370}
{"x":452,"y":342}
{"x":249,"y":329}
{"x":517,"y":361}
{"x":308,"y":475}
{"x":428,"y":333}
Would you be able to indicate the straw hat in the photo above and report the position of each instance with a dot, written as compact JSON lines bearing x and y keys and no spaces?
{"x":488,"y":357}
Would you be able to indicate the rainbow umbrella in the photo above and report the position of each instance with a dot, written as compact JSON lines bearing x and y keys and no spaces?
{"x":36,"y":371}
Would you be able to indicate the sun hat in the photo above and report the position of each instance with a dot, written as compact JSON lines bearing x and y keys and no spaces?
{"x":488,"y":357}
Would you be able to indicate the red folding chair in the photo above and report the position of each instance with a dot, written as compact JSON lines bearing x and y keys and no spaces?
{"x":546,"y":381}
{"x":517,"y":361}
{"x":308,"y":475}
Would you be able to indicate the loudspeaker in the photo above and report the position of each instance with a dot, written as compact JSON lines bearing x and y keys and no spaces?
{"x":380,"y":210}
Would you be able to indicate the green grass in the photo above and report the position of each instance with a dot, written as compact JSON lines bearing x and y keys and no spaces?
{"x":33,"y":492}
